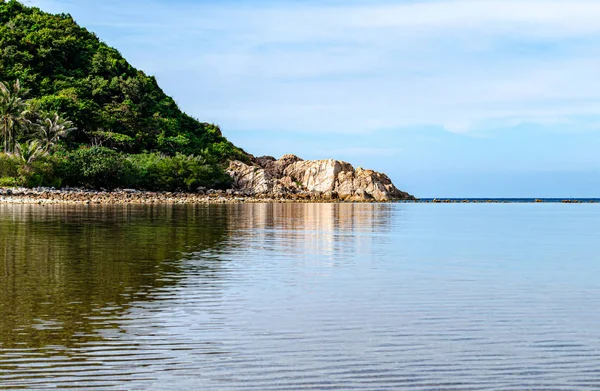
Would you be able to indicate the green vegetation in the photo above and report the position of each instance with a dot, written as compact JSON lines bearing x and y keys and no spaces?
{"x":74,"y":112}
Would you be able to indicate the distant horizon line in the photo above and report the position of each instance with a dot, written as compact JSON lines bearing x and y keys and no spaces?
{"x":506,"y":199}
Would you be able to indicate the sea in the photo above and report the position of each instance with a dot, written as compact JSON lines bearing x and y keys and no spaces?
{"x":398,"y":296}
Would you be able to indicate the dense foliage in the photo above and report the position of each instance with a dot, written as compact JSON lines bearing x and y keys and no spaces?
{"x":104,"y":168}
{"x":100,"y":167}
{"x":62,"y":78}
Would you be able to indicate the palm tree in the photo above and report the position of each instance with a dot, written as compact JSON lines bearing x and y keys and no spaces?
{"x":11,"y":109}
{"x":29,"y":151}
{"x":51,"y":130}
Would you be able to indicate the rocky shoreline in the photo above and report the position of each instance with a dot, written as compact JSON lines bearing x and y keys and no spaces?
{"x":50,"y":196}
{"x":46,"y":196}
{"x":266,"y":179}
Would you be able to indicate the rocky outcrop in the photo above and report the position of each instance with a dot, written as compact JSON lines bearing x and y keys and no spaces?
{"x":292,"y":177}
{"x":251,"y":179}
{"x":275,"y":168}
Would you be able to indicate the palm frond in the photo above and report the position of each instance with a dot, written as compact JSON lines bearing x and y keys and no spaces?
{"x":29,"y":151}
{"x":51,"y":129}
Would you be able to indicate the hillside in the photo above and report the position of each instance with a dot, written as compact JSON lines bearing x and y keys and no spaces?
{"x":74,"y":112}
{"x":68,"y":70}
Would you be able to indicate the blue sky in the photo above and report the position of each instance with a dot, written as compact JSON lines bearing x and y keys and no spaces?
{"x":451,"y":98}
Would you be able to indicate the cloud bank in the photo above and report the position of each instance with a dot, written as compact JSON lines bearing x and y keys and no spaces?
{"x":346,"y":67}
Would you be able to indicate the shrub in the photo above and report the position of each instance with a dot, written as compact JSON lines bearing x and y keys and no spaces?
{"x":100,"y":167}
{"x":180,"y":172}
{"x":40,"y":172}
{"x":8,"y":182}
{"x":95,"y":167}
{"x":9,"y":165}
{"x":14,"y":171}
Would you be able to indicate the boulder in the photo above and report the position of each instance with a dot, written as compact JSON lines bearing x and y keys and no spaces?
{"x":276,"y":167}
{"x":253,"y":179}
{"x":317,"y":175}
{"x":292,"y":177}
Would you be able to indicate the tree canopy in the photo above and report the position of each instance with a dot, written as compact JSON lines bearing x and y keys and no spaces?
{"x":68,"y":70}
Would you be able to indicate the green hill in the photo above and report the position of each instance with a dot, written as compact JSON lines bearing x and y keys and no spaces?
{"x":69,"y":71}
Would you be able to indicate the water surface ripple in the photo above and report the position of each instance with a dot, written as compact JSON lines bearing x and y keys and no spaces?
{"x":300,"y":296}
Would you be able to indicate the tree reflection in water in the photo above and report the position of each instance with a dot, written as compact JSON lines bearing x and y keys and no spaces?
{"x":115,"y":296}
{"x":71,"y":271}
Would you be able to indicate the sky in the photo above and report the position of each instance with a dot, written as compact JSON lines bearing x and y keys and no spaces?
{"x":450,"y":98}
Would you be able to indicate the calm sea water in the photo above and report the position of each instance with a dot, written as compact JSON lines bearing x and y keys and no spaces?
{"x":301,"y":296}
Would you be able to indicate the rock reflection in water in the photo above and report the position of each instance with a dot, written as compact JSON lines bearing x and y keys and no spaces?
{"x":334,"y":231}
{"x":293,"y":296}
{"x":83,"y":288}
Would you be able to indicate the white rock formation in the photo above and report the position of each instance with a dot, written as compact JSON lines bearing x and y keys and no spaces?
{"x":292,"y":177}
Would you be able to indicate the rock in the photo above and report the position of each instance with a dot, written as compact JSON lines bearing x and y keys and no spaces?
{"x":275,"y":168}
{"x":331,"y":195}
{"x":293,"y":178}
{"x":318,"y":175}
{"x":264,"y":161}
{"x":250,"y":178}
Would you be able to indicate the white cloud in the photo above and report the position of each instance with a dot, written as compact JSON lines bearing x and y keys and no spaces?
{"x":360,"y":151}
{"x":364,"y":66}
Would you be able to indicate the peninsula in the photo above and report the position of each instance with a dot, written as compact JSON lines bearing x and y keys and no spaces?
{"x":74,"y":114}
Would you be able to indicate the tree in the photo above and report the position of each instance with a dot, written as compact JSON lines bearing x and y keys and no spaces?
{"x":51,"y":130}
{"x":69,"y":70}
{"x":29,"y":151}
{"x":12,"y":107}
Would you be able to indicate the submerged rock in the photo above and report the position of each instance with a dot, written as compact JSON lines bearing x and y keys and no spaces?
{"x":292,"y":177}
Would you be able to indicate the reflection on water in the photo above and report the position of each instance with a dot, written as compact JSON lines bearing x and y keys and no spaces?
{"x":71,"y":274}
{"x":328,"y":231}
{"x":322,"y":296}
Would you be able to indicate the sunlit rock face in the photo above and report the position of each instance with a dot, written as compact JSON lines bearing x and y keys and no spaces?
{"x":292,"y":177}
{"x":250,"y":178}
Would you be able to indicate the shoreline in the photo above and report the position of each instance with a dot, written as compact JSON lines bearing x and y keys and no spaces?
{"x":77,"y":196}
